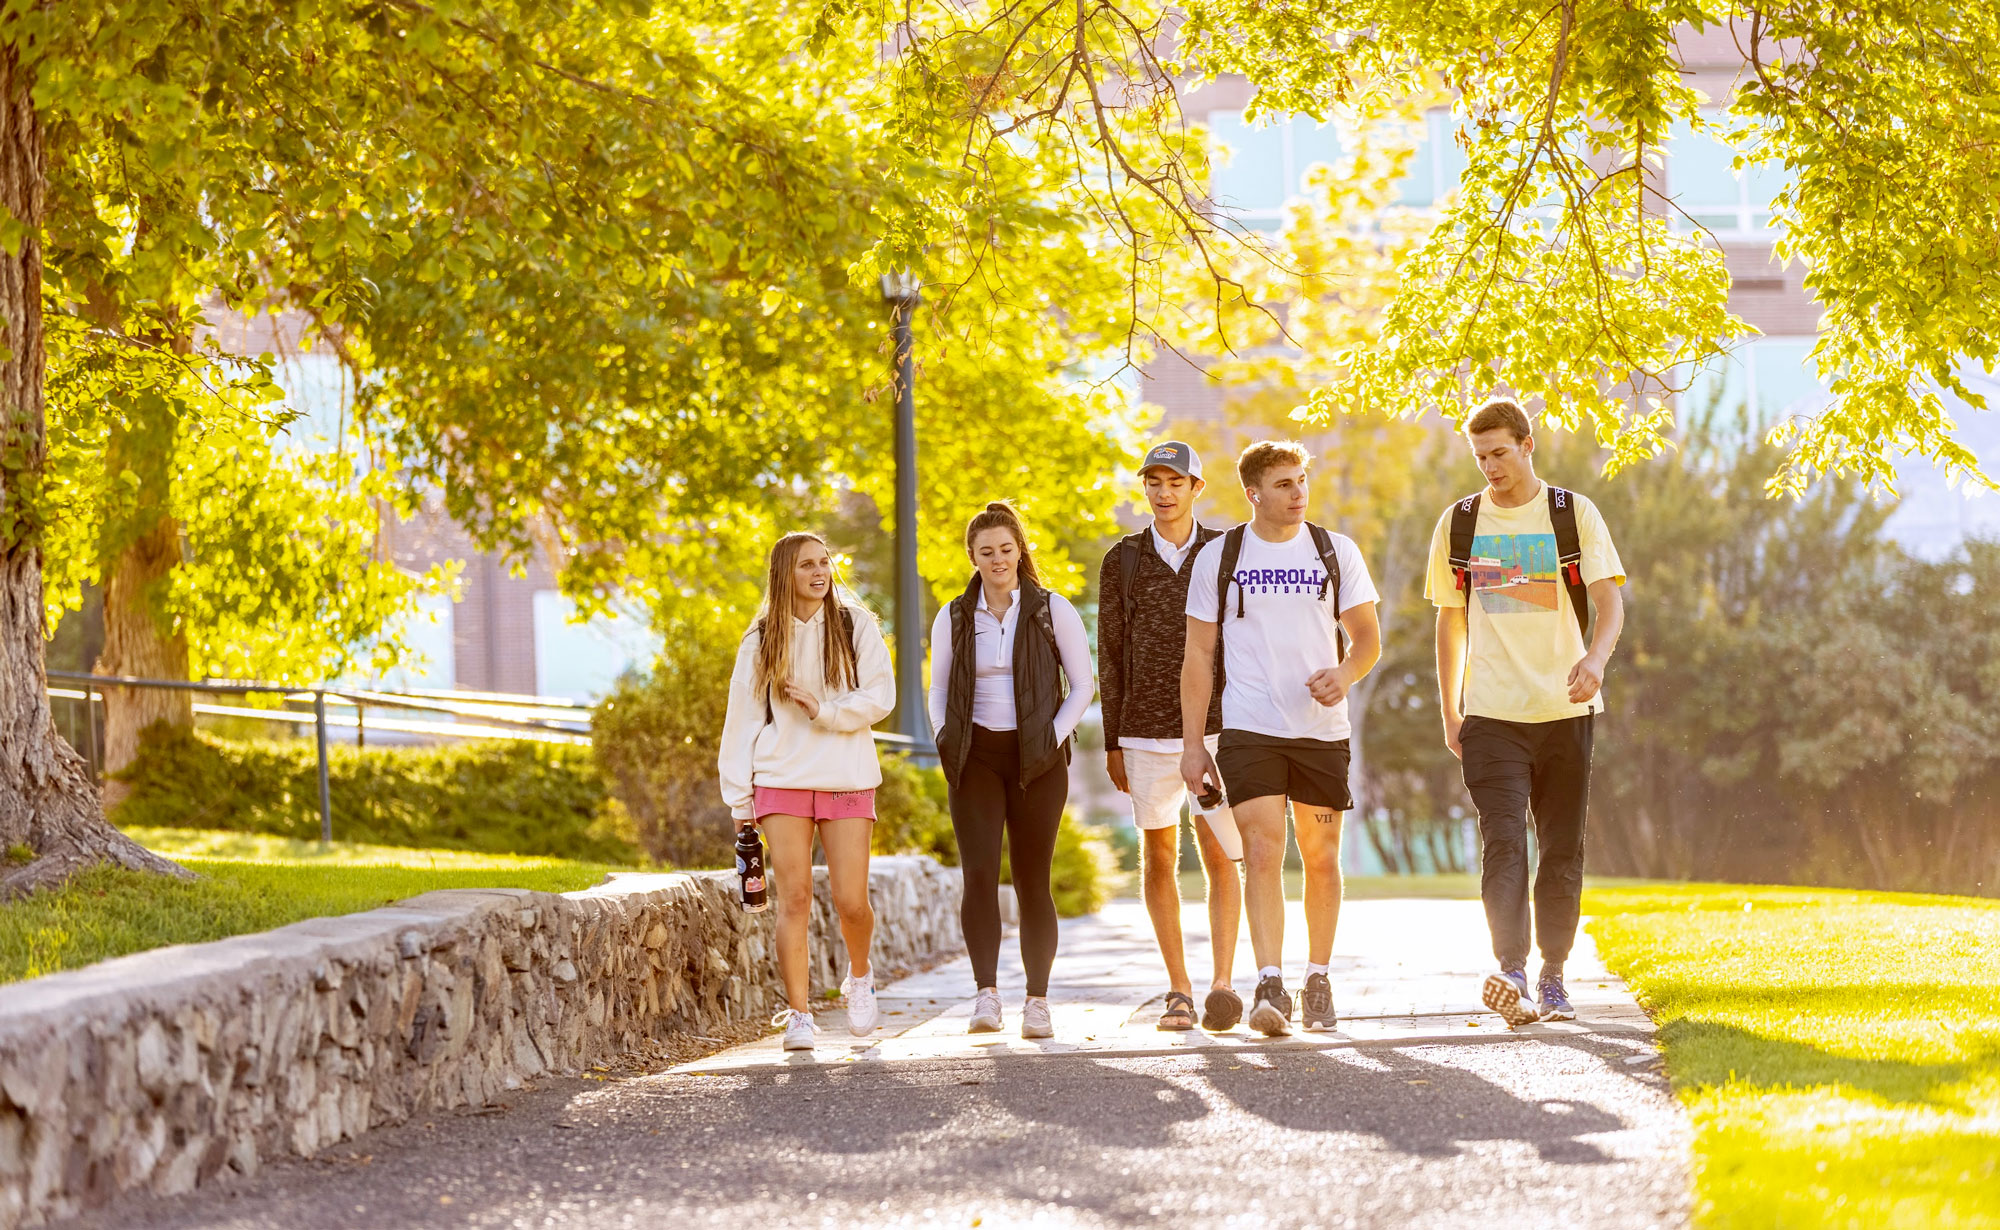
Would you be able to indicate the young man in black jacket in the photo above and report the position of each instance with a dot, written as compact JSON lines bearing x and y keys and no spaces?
{"x":1141,"y":633}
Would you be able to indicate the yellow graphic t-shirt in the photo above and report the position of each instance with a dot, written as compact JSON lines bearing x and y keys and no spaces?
{"x":1522,"y":635}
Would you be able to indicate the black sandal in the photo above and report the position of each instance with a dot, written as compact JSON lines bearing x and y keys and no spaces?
{"x":1179,"y":1016}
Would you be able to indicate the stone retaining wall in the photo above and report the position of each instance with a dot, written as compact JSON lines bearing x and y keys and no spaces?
{"x":167,"y":1069}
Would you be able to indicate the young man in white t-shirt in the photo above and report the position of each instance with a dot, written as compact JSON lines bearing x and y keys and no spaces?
{"x":1519,"y":690}
{"x":1289,"y":590}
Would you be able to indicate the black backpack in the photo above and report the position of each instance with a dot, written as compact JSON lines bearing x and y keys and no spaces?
{"x":1129,"y":548}
{"x":1569,"y":550}
{"x":1232,"y":547}
{"x":846,"y":627}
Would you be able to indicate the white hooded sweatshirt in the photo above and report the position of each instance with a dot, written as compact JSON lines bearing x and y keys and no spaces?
{"x":832,"y":752}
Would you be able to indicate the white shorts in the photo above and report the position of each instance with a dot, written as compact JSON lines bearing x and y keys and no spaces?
{"x":1157,"y":792}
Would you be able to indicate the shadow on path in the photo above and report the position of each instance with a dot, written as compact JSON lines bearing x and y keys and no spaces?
{"x":1299,"y":1136}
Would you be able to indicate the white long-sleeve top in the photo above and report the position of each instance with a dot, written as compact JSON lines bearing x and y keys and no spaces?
{"x":993,"y":673}
{"x":831,"y":752}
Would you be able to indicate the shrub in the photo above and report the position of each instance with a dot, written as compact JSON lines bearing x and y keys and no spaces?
{"x":913,"y":812}
{"x":1082,"y":867}
{"x":496,"y":796}
{"x":655,"y":739}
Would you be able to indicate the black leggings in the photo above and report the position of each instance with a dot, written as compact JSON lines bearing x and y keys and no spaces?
{"x":989,"y":798}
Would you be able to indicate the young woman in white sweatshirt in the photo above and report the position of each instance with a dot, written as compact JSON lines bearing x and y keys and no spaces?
{"x":812,"y":675}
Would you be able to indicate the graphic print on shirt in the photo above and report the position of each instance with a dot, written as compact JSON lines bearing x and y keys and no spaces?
{"x":1515,"y":574}
{"x":1283,"y":580}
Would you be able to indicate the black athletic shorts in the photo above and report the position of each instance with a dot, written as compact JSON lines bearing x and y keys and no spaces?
{"x":1309,"y":772}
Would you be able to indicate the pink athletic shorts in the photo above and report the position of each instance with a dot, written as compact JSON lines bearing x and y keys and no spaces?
{"x":818,"y":804}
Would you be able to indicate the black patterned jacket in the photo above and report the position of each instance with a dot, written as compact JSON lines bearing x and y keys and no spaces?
{"x":1139,"y":665}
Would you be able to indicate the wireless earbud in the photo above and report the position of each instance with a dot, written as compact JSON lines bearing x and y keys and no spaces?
{"x":1255,"y":498}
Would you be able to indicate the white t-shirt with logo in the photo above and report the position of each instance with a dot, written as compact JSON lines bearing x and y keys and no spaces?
{"x":1285,"y":635}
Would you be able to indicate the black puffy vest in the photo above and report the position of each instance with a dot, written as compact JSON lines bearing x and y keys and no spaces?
{"x":1038,"y":684}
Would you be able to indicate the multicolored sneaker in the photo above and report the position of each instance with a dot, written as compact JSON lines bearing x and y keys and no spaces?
{"x":1316,"y":1005}
{"x":1507,"y":994}
{"x":1555,"y":1000}
{"x":1271,"y":1013}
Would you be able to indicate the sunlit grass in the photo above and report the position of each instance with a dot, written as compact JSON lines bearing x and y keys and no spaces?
{"x":1839,"y":1051}
{"x":290,"y":851}
{"x":263,"y":882}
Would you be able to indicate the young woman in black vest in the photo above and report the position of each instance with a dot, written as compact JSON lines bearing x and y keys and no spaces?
{"x":1001,"y":653}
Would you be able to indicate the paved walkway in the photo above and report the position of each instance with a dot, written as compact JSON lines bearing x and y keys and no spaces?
{"x":1424,"y":1110}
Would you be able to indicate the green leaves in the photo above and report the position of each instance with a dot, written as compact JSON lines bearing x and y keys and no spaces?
{"x":1555,"y":272}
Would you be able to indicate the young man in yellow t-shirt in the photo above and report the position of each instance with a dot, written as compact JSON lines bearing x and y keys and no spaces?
{"x":1520,"y":690}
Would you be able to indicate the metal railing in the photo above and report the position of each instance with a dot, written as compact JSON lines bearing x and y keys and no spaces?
{"x":501,"y":716}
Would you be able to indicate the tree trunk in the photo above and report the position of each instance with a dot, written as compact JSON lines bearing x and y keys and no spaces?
{"x":138,"y":641}
{"x":50,"y":822}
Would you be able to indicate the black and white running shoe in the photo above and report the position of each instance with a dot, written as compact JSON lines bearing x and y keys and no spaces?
{"x":1507,"y":994}
{"x":1316,"y":1005}
{"x":1271,"y":1014}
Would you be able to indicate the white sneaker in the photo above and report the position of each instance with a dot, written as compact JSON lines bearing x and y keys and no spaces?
{"x":986,"y":1014}
{"x":1035,"y":1022}
{"x":799,"y":1029}
{"x":861,"y":1010}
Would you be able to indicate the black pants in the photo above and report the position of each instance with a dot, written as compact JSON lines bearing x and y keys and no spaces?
{"x":1513,"y":769}
{"x":989,"y":800}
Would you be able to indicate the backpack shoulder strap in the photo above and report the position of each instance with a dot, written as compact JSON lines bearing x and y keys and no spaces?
{"x":1464,"y":527}
{"x":1225,"y":573}
{"x":1128,"y":574}
{"x":1329,"y":559}
{"x":1569,"y":556}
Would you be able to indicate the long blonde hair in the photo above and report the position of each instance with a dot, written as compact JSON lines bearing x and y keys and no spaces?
{"x":774,"y":624}
{"x":1000,"y":515}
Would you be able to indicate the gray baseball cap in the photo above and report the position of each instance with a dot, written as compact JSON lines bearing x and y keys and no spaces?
{"x":1176,"y":456}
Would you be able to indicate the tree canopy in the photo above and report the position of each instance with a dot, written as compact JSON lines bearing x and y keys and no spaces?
{"x":1556,"y":272}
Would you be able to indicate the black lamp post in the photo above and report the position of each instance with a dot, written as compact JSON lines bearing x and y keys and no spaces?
{"x":902,"y":290}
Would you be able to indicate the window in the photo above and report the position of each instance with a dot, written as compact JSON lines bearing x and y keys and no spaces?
{"x":1764,"y":379}
{"x":1435,"y":168}
{"x":315,"y":386}
{"x":1256,"y":168}
{"x":427,"y":631}
{"x":1709,"y":192}
{"x":581,"y":660}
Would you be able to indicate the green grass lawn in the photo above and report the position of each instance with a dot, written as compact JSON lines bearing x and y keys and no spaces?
{"x":1839,"y":1051}
{"x":249,"y":882}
